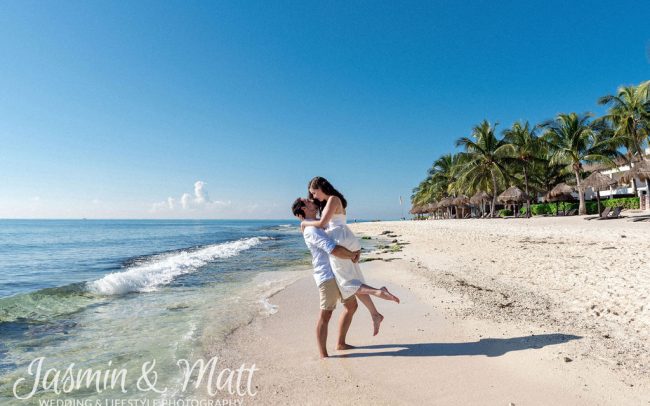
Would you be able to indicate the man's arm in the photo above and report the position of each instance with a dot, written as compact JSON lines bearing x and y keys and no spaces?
{"x":317,"y":237}
{"x":344,"y":253}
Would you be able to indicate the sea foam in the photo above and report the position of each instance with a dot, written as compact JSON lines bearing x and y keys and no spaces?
{"x":161,"y":269}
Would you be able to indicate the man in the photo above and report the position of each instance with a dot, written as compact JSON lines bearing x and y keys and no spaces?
{"x":321,"y":247}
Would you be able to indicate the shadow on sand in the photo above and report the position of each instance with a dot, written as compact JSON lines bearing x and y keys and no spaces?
{"x":490,"y":347}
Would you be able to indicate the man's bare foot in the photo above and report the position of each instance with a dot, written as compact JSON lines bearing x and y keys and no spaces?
{"x":385,"y":294}
{"x":376,"y":321}
{"x":343,"y":347}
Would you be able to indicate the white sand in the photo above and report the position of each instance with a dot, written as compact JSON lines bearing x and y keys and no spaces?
{"x":539,"y":311}
{"x":592,"y":276}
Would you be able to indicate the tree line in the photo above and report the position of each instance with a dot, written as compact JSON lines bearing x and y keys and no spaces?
{"x":537,"y":157}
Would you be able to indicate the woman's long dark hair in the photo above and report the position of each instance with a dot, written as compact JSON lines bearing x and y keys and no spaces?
{"x":327,"y":188}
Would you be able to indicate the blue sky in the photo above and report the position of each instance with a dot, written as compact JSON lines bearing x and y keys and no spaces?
{"x":109,"y":109}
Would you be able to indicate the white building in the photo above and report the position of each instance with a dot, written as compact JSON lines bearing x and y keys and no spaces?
{"x":638,"y":189}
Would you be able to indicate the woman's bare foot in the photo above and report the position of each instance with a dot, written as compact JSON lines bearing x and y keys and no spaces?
{"x":376,"y":321}
{"x":385,"y":294}
{"x":343,"y":347}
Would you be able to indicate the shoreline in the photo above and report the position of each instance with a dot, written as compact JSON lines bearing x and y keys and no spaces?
{"x":453,"y":331}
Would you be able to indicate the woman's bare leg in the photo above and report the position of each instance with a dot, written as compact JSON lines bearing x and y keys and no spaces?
{"x":377,"y":318}
{"x":381,"y":293}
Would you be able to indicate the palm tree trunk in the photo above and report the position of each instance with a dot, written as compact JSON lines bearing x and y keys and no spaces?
{"x":494,"y":195}
{"x":647,"y":194}
{"x":527,"y":195}
{"x":582,"y":209}
{"x":647,"y":187}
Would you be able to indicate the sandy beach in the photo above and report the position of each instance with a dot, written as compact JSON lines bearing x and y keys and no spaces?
{"x":525,"y":312}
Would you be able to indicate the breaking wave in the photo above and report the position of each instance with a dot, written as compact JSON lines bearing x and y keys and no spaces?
{"x":159,"y":270}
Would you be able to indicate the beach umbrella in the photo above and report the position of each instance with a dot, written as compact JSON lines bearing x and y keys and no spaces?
{"x":641,"y":170}
{"x":560,"y":193}
{"x":567,"y":197}
{"x":461,"y":201}
{"x":430,"y":208}
{"x":479,"y":199}
{"x":561,"y":190}
{"x":513,"y":195}
{"x":597,"y":181}
{"x":446,"y":203}
{"x":415,"y":210}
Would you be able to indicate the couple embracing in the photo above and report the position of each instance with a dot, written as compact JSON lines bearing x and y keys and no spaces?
{"x":335,"y":257}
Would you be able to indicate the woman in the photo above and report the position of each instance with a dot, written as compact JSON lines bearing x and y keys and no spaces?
{"x":348,"y":274}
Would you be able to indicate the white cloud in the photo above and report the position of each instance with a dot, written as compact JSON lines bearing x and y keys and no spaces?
{"x":199,"y":203}
{"x":200,"y":193}
{"x":185,"y":201}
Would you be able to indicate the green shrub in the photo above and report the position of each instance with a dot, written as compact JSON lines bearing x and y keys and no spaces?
{"x":626,"y":202}
{"x":591,"y":205}
{"x":505,"y":212}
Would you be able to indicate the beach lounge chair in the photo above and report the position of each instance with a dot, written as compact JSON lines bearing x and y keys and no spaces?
{"x":615,"y":214}
{"x":572,"y":212}
{"x":604,"y":214}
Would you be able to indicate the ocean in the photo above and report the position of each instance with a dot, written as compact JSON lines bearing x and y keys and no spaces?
{"x":106,"y":294}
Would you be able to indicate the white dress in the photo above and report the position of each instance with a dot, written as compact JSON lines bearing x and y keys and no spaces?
{"x":348,"y":274}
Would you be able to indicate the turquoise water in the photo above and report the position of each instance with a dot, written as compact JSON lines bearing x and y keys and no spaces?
{"x":114,"y":293}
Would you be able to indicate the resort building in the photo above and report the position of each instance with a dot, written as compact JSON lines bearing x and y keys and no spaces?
{"x":624,"y":187}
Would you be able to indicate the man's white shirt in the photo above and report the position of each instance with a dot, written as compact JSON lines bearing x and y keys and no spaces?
{"x":321,"y":246}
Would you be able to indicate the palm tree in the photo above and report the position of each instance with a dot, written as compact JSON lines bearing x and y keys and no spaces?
{"x":437,"y":184}
{"x":573,"y":139}
{"x":629,"y":113}
{"x":484,"y":156}
{"x":444,"y":174}
{"x":422,"y":193}
{"x":523,"y":146}
{"x":545,"y":175}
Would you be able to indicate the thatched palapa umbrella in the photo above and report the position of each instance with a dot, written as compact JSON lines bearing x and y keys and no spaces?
{"x":446,"y":203}
{"x":597,"y":181}
{"x":560,"y":193}
{"x":479,"y":199}
{"x":641,"y":170}
{"x":513,"y":195}
{"x":461,"y":201}
{"x":430,"y":208}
